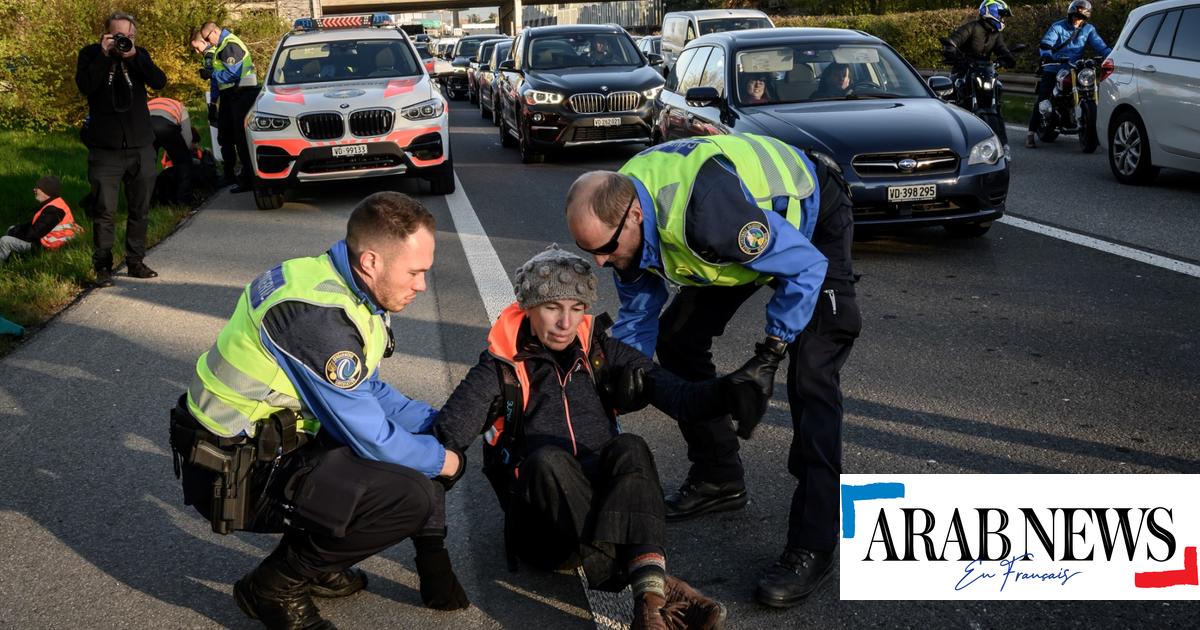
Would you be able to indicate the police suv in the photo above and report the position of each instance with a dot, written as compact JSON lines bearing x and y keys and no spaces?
{"x":347,"y":97}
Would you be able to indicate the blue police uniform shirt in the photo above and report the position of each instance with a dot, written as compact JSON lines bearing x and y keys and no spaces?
{"x":719,"y":207}
{"x":1060,"y":32}
{"x":371,"y":417}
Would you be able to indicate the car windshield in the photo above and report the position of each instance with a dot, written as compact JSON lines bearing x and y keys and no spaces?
{"x":575,"y":50}
{"x":732,"y":24}
{"x":818,"y":72}
{"x":341,"y":61}
{"x":468,"y":47}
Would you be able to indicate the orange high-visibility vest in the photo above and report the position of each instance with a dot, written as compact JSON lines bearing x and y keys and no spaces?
{"x":169,"y":106}
{"x":64,"y":231}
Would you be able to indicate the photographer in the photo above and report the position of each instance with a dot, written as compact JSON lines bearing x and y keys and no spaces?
{"x":229,"y":67}
{"x":113,"y":75}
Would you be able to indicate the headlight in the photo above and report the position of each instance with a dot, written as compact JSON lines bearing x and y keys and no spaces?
{"x":1087,"y":78}
{"x":986,"y":152}
{"x":538,"y":97}
{"x":652,"y":93}
{"x":424,"y":110}
{"x":268,"y":122}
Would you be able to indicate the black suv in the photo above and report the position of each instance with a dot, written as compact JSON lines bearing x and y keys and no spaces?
{"x":576,"y":85}
{"x":455,"y":82}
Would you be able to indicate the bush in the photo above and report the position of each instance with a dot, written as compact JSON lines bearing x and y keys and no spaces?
{"x":915,"y":35}
{"x":40,"y":42}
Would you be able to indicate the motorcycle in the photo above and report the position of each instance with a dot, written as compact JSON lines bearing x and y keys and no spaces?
{"x":1071,"y":108}
{"x":978,"y":91}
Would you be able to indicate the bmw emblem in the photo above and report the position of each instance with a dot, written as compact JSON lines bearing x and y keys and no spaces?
{"x":344,"y":106}
{"x":603,"y":88}
{"x":907,"y":164}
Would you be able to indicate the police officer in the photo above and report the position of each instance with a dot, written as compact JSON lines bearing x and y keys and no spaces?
{"x":1063,"y":43}
{"x":234,"y":85}
{"x":719,"y":216}
{"x":305,"y":342}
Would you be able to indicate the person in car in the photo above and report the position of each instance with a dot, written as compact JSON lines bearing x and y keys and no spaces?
{"x":1062,"y":45}
{"x":754,"y":87}
{"x":835,"y":81}
{"x":602,"y":51}
{"x":575,"y":487}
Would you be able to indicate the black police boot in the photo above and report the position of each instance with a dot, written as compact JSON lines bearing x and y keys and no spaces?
{"x":793,"y":577}
{"x":696,"y":497}
{"x":340,"y":584}
{"x":277,"y":596}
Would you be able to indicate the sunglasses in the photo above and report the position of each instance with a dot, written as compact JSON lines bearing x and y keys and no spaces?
{"x":611,"y":245}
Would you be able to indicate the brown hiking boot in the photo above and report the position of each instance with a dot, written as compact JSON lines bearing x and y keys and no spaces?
{"x":648,"y":612}
{"x":690,"y":608}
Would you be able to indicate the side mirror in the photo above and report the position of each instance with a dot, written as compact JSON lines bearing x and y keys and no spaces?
{"x":508,"y":65}
{"x":460,"y":62}
{"x":942,"y":86}
{"x":702,"y":96}
{"x":484,"y":67}
{"x":655,"y":60}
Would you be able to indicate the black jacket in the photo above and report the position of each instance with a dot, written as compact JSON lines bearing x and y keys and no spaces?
{"x":565,"y":409}
{"x":110,"y":128}
{"x":974,"y":41}
{"x":33,"y":231}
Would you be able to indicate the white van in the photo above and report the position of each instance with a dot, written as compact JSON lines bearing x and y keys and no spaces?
{"x":681,"y":27}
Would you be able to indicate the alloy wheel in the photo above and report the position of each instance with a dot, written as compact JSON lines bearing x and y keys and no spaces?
{"x":1127,"y":148}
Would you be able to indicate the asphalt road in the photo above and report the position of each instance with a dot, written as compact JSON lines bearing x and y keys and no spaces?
{"x":1010,"y":353}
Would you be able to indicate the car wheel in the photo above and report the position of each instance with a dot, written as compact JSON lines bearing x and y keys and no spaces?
{"x":267,"y":198}
{"x":968,"y":230}
{"x":1129,"y":150}
{"x":442,"y":181}
{"x":1088,"y":139}
{"x":506,"y":139}
{"x":529,"y":155}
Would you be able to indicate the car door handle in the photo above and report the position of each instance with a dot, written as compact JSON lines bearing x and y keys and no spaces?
{"x":1150,"y":69}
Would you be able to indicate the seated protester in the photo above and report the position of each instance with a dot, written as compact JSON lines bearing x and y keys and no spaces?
{"x":52,"y":225}
{"x":572,"y":485}
{"x":835,"y":81}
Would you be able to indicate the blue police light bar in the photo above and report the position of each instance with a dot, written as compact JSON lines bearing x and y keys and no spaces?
{"x":342,"y":21}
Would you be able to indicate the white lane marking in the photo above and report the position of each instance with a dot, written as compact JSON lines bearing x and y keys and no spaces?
{"x":490,"y":277}
{"x":496,"y":291}
{"x":1123,"y":251}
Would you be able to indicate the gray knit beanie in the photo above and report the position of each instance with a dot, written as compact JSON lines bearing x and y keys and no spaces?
{"x":554,"y":274}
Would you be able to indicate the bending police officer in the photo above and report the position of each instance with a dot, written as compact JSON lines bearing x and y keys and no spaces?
{"x":296,"y":372}
{"x":233,"y":85}
{"x":707,"y":235}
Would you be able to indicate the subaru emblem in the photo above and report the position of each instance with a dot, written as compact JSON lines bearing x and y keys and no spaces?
{"x":907,"y":164}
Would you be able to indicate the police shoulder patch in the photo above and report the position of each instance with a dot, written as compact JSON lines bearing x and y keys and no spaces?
{"x":343,"y":369}
{"x":753,"y":237}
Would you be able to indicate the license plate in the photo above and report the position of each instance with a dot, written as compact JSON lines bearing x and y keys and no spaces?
{"x":606,"y":122}
{"x":922,"y":192}
{"x":350,"y":149}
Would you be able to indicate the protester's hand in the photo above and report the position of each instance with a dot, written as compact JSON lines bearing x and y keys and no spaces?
{"x":629,"y":390}
{"x":758,"y":374}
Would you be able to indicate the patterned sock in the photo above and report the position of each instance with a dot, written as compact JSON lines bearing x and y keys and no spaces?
{"x":647,"y":571}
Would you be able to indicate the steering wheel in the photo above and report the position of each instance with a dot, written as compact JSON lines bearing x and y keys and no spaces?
{"x":864,"y":85}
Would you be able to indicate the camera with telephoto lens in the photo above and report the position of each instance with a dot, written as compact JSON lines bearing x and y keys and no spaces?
{"x":121,"y":45}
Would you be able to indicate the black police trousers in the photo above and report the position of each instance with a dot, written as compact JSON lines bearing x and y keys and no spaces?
{"x":232,"y":107}
{"x":593,"y":509}
{"x":815,"y":359}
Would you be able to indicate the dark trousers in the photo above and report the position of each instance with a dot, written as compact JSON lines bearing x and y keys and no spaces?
{"x":378,"y":504}
{"x":594,"y":507}
{"x":233,"y":106}
{"x":815,"y":359}
{"x":169,"y":137}
{"x":107,"y":170}
{"x":1045,"y":88}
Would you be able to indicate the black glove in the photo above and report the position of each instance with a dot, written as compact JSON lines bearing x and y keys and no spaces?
{"x":1008,"y":61}
{"x":448,"y":482}
{"x":212,"y":114}
{"x":440,"y":588}
{"x":629,"y":389}
{"x":758,"y":375}
{"x":206,"y":73}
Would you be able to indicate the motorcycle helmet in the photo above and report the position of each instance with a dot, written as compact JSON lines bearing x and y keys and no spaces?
{"x":1081,"y":8}
{"x":993,"y":12}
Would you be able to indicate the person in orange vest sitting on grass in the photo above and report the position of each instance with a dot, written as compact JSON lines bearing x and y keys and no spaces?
{"x":51,"y":226}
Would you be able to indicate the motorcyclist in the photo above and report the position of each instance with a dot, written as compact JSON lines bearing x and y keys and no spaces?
{"x":978,"y":40}
{"x":1062,"y":45}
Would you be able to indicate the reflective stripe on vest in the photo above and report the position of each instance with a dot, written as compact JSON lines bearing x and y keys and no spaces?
{"x":766,"y":166}
{"x":248,"y":78}
{"x":64,"y":231}
{"x":169,"y":106}
{"x":238,"y":382}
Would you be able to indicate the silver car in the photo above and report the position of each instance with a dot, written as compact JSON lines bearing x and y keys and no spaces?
{"x":1150,"y":92}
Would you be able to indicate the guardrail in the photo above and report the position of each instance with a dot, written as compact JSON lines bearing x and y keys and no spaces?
{"x":1014,"y":83}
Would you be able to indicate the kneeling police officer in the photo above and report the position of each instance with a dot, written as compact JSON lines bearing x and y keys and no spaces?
{"x":288,"y":427}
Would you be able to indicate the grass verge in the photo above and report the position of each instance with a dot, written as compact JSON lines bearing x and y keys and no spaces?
{"x":35,"y":286}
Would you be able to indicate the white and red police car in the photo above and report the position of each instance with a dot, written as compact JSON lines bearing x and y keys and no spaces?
{"x":347,"y":97}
